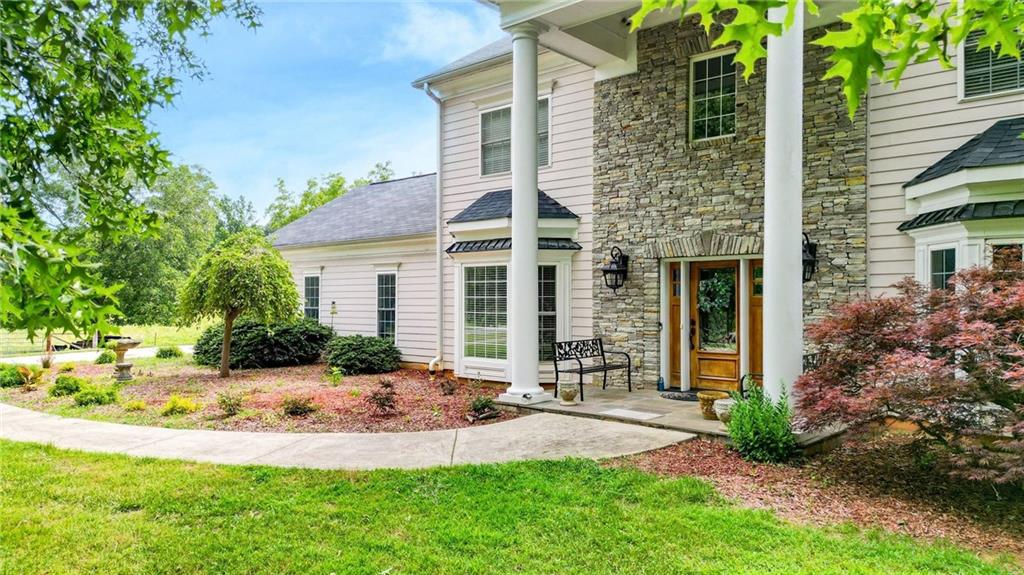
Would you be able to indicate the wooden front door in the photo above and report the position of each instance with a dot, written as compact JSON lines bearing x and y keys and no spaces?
{"x":675,"y":314}
{"x":756,"y":319}
{"x":714,"y":325}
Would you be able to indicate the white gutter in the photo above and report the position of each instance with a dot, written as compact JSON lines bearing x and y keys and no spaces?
{"x":438,"y":359}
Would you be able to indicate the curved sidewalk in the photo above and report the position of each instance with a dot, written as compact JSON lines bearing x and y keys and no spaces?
{"x":542,"y":436}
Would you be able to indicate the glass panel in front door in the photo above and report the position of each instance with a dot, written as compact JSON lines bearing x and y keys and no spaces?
{"x":716,"y":309}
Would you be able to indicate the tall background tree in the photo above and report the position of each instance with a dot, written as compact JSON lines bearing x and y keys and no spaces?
{"x":244,"y":274}
{"x":77,"y":83}
{"x":152,"y":268}
{"x":289,"y":206}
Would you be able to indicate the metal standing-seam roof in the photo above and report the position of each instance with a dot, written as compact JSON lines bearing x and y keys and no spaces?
{"x":999,"y":145}
{"x":391,"y":209}
{"x":506,"y":244}
{"x":966,"y":213}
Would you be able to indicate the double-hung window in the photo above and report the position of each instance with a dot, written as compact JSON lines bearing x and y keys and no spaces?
{"x":943,"y":266}
{"x":311,"y":297}
{"x":387,"y":284}
{"x":485,"y":311}
{"x":496,"y":139}
{"x":547,"y":308}
{"x":984,"y":72}
{"x":712,"y":96}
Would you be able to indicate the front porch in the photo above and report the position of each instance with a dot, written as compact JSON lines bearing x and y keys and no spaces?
{"x":641,"y":406}
{"x":646,"y":407}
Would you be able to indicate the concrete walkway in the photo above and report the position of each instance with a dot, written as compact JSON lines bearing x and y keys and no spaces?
{"x":542,"y":436}
{"x":87,"y":356}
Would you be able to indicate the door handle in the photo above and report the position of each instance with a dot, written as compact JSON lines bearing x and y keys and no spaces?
{"x":693,"y":333}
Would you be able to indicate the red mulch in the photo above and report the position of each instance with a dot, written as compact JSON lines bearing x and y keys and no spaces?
{"x":869,"y":483}
{"x":421,"y":406}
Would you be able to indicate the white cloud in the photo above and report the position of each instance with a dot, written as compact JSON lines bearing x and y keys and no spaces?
{"x":437,"y":34}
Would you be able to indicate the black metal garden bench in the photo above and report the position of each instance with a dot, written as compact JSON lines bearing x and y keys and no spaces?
{"x":592,"y":349}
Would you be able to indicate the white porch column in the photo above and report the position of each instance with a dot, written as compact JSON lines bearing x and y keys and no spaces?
{"x":523,"y":355}
{"x":783,"y":207}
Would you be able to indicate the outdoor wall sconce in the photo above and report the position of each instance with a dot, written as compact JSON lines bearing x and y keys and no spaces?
{"x":810,"y":258}
{"x":615,"y":271}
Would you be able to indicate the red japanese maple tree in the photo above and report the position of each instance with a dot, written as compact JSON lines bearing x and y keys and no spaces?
{"x":950,"y":361}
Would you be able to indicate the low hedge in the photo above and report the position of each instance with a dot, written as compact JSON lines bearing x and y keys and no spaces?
{"x":255,"y":344}
{"x":358,"y":354}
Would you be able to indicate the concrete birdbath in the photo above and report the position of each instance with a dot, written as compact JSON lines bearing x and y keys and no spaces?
{"x":124,"y":369}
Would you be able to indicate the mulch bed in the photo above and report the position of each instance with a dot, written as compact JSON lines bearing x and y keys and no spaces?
{"x":869,"y":482}
{"x":420,"y":403}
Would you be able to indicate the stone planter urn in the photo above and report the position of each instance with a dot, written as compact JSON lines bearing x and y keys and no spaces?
{"x":723,"y":409}
{"x":568,"y":395}
{"x":707,"y":402}
{"x":124,"y":369}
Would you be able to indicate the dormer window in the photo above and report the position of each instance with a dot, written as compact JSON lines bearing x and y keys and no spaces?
{"x":496,"y":138}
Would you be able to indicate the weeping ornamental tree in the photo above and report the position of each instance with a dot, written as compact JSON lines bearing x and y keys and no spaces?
{"x":244,"y":274}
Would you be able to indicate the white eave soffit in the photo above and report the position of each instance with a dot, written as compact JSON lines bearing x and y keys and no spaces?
{"x":596,"y":32}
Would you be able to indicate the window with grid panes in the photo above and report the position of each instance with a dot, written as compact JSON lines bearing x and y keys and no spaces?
{"x":311,"y":297}
{"x":386,"y":284}
{"x":943,"y":266}
{"x":712,"y":97}
{"x":547,"y":305}
{"x":485,"y":313}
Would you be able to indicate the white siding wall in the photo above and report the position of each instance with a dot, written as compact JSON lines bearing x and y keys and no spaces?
{"x":568,"y":179}
{"x":910,"y":129}
{"x":349,"y":278}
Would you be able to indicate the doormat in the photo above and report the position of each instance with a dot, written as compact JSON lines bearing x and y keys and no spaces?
{"x":680,"y":395}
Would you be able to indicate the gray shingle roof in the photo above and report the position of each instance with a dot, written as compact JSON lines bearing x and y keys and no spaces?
{"x":396,"y":208}
{"x":997,"y":146}
{"x":499,"y":205}
{"x":966,"y":212}
{"x":502,"y":49}
{"x":506,"y":244}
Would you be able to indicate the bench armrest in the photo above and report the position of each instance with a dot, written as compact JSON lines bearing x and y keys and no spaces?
{"x":629,"y":360}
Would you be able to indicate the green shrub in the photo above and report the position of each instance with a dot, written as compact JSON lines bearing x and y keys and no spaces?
{"x":9,"y":375}
{"x":169,"y":352}
{"x":134,"y":405}
{"x":254,"y":344}
{"x":106,"y":356}
{"x":760,"y":429}
{"x":96,"y":395}
{"x":67,"y":385}
{"x":178,"y":405}
{"x":66,"y":367}
{"x":230,"y":402}
{"x":298,"y":405}
{"x":358,"y":354}
{"x":481,"y":404}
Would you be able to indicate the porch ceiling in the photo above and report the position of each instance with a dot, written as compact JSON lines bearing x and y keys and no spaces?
{"x":596,"y":32}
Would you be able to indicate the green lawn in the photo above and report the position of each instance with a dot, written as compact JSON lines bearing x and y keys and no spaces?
{"x":17,"y":342}
{"x":66,"y":512}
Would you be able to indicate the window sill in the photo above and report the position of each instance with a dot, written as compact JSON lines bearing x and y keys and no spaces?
{"x":993,"y":95}
{"x":497,"y":175}
{"x":717,"y":141}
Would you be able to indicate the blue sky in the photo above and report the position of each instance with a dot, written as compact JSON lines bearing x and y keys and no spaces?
{"x":321,"y":87}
